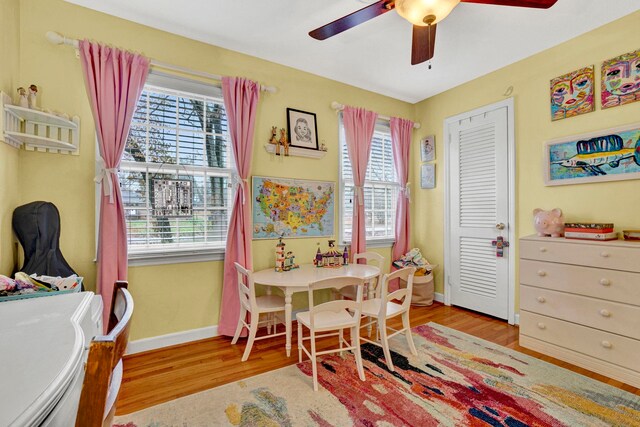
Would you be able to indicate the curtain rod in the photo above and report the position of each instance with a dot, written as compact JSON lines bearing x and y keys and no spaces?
{"x":339,"y":107}
{"x":57,"y":38}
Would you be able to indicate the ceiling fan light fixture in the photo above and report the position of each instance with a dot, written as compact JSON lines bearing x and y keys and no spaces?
{"x":425,"y":12}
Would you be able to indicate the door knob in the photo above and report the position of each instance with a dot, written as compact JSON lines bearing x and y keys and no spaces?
{"x":500,"y":226}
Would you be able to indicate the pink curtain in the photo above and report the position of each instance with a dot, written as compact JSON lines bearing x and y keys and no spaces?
{"x":359,"y":125}
{"x":240,"y":101}
{"x":401,"y":143}
{"x":114,"y":80}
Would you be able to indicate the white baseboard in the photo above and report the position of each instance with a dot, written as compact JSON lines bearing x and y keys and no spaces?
{"x":517,"y":319}
{"x":153,"y":343}
{"x":438,"y":297}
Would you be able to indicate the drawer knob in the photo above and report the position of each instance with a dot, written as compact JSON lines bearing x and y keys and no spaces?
{"x":604,"y":254}
{"x":542,"y":326}
{"x":543,"y":249}
{"x":542,"y":273}
{"x":606,"y":344}
{"x":605,"y":313}
{"x":541,"y":299}
{"x":605,"y":282}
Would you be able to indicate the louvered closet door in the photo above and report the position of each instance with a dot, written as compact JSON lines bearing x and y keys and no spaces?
{"x":479,"y":203}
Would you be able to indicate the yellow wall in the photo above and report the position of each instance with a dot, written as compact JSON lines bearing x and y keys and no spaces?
{"x":176,"y":297}
{"x":9,"y":40}
{"x":617,"y":202}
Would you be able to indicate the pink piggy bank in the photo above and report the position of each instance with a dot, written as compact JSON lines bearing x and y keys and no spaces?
{"x":548,"y":223}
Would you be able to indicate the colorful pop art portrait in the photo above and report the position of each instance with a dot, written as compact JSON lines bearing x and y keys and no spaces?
{"x":621,"y":80}
{"x":572,"y":94}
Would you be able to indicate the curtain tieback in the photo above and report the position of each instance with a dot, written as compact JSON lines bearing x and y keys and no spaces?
{"x":358,"y":195}
{"x":104,"y":176}
{"x":236,"y":182}
{"x":358,"y":192}
{"x":406,"y":191}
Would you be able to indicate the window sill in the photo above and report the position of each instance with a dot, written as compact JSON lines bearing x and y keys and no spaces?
{"x":176,"y":257}
{"x":378,"y":243}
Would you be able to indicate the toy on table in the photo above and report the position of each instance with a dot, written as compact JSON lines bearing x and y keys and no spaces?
{"x":333,"y":258}
{"x":284,"y":262}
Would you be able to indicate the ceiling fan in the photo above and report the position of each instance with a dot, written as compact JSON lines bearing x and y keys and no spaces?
{"x":423,"y":14}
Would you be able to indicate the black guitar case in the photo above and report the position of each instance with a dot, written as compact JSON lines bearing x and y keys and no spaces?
{"x":37,"y":226}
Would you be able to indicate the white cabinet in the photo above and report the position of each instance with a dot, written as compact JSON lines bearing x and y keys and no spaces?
{"x":580,"y":302}
{"x":38,"y":130}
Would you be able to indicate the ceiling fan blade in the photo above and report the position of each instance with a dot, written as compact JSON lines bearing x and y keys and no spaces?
{"x":539,"y":4}
{"x":423,"y":44}
{"x":352,"y":19}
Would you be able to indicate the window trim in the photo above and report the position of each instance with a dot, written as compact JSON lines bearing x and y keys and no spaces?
{"x":372,"y":242}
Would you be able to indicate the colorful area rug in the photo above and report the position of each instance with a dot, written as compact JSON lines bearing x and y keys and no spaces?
{"x":455,"y":380}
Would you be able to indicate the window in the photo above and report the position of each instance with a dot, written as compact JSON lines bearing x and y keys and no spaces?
{"x":178,"y":132}
{"x":380,"y":188}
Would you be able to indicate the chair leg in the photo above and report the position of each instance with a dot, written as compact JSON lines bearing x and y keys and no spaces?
{"x":355,"y":342}
{"x":243,"y":315}
{"x":407,"y":330}
{"x":384,"y":341}
{"x":341,"y":340}
{"x":314,"y":361}
{"x":253,"y":328}
{"x":269,"y":322}
{"x":299,"y":342}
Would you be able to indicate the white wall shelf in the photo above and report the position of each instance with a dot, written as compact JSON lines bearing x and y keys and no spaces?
{"x":299,"y":152}
{"x":37,"y":130}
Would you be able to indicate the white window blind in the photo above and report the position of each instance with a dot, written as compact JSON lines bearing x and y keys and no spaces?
{"x":178,"y":131}
{"x":380,"y":188}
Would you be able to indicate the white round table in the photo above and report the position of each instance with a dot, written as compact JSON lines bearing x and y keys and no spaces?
{"x":299,"y":279}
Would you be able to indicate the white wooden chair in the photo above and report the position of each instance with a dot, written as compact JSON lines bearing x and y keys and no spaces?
{"x":103,"y":370}
{"x":369,"y":257}
{"x":384,"y":307}
{"x":322,"y":319}
{"x":255,"y":306}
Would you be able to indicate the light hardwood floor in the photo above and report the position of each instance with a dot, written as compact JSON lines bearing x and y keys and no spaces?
{"x":158,"y":376}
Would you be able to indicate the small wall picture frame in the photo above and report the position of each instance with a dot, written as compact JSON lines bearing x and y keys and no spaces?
{"x":428,"y":176}
{"x":428,"y":148}
{"x":302,"y":129}
{"x":172,"y":198}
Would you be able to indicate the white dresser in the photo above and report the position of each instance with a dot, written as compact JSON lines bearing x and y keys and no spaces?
{"x":43,"y":349}
{"x":580,"y":302}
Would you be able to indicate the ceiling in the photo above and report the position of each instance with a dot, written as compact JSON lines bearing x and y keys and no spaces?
{"x":474,"y":40}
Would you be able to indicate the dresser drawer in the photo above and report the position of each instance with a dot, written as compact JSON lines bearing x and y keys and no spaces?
{"x":609,"y":316}
{"x":608,"y":347}
{"x":613,"y":285}
{"x":591,"y":254}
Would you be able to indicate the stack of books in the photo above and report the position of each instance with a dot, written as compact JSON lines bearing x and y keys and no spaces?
{"x":589,"y":231}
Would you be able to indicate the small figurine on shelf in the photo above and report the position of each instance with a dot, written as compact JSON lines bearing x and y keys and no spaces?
{"x":273,"y":140}
{"x":22,"y":98}
{"x":283,"y":141}
{"x":323,"y":147}
{"x":280,"y":255}
{"x":33,"y":91}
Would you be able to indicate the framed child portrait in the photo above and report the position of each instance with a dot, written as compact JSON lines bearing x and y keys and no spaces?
{"x":302,"y":129}
{"x":428,"y":148}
